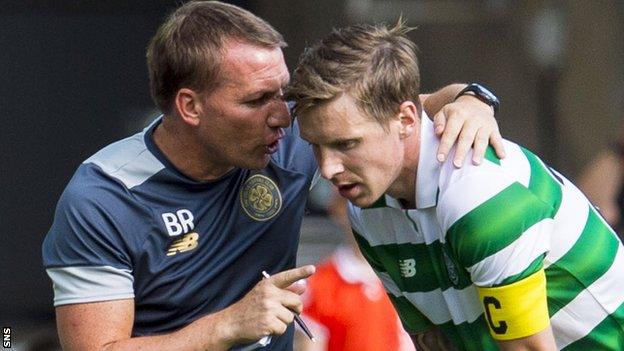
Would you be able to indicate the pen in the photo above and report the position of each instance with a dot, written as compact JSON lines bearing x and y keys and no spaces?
{"x":297,"y":318}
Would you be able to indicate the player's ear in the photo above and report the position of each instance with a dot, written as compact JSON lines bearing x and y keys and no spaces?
{"x":409,"y":117}
{"x":189,"y":106}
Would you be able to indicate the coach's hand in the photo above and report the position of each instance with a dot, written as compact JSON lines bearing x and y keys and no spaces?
{"x":269,"y":307}
{"x":469,"y":122}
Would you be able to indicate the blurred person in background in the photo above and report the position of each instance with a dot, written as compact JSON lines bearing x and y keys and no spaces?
{"x":602,"y":182}
{"x":509,"y":255}
{"x":159,"y":239}
{"x":345,"y":304}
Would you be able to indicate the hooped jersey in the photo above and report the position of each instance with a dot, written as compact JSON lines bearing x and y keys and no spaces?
{"x":473,"y":254}
{"x":129,"y":225}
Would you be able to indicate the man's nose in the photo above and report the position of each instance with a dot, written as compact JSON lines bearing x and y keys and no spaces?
{"x":329,"y":163}
{"x":280,"y":116}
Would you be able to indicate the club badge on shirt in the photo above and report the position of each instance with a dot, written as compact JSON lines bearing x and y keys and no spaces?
{"x":450,"y":268}
{"x":260,"y":197}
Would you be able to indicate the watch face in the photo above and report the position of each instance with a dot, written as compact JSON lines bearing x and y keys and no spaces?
{"x":484,"y":93}
{"x":489,"y":94}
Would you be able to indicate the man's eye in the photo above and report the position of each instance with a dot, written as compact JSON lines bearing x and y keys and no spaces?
{"x":259,"y":101}
{"x":346,"y":145}
{"x":265,"y":99}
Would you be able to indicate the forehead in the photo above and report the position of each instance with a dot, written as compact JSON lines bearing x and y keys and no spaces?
{"x":247,"y":67}
{"x":337,"y":119}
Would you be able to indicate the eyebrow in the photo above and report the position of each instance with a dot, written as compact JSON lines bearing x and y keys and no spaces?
{"x":263,"y":92}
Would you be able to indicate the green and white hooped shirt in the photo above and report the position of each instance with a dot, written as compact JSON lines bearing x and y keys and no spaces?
{"x":496,"y":225}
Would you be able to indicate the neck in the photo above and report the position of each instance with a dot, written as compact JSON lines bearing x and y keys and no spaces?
{"x":404,"y":187}
{"x":177,"y":142}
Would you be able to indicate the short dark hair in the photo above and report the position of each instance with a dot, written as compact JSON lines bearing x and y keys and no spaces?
{"x":187,"y":49}
{"x":374,"y":64}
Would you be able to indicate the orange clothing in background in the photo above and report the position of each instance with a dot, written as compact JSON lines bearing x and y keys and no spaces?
{"x":346,"y":304}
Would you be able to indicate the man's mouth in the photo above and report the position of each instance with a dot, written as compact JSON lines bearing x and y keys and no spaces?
{"x":348,"y":190}
{"x":272,"y":148}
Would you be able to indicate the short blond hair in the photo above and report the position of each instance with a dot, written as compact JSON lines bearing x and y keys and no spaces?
{"x":187,"y":49}
{"x":374,"y":64}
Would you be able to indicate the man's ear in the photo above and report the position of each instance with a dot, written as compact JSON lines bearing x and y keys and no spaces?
{"x":409,"y":116}
{"x":189,"y":106}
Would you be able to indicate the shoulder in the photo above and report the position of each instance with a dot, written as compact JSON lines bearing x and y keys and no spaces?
{"x":295,"y":153}
{"x":461,"y":190}
{"x":107,"y":177}
{"x":128,"y":161}
{"x":88,"y":187}
{"x":490,"y":213}
{"x":97,"y":207}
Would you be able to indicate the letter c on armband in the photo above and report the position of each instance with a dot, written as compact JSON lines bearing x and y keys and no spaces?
{"x":516,"y":310}
{"x":488,"y":301}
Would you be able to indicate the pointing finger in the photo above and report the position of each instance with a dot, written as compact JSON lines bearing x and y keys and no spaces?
{"x":286,"y":278}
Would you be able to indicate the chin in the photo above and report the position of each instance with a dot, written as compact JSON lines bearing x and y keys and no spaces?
{"x":258,"y":163}
{"x":362,"y":202}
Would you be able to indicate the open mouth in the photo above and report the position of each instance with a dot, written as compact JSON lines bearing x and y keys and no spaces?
{"x":348,"y":190}
{"x":272,"y":148}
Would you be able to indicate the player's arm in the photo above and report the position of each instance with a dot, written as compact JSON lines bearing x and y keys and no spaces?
{"x":430,"y":340}
{"x":267,"y":309}
{"x":500,"y":231}
{"x":543,"y":340}
{"x":517,"y":314}
{"x":466,"y":120}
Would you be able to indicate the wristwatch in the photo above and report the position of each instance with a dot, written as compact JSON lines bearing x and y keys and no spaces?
{"x":482,"y":93}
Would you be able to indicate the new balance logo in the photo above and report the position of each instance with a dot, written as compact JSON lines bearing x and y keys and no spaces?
{"x":407,"y":267}
{"x":186,"y":243}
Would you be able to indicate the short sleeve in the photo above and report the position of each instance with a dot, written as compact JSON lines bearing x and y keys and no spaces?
{"x":498,"y":229}
{"x":84,"y":252}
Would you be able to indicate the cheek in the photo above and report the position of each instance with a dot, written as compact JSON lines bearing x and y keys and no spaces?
{"x":247,"y":122}
{"x":383,"y":161}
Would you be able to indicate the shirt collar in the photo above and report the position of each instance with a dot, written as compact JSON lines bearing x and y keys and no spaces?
{"x":428,"y":166}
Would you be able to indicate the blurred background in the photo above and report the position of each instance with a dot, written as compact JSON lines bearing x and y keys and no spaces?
{"x":73,"y":79}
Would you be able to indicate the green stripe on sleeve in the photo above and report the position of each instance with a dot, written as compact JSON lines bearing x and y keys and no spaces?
{"x":542,"y":182}
{"x":495,"y":224}
{"x":598,"y":245}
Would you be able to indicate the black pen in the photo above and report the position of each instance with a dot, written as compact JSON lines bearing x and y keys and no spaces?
{"x":297,"y":318}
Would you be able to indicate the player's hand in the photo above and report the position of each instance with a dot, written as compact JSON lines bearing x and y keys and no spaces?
{"x":269,"y":307}
{"x":469,"y":122}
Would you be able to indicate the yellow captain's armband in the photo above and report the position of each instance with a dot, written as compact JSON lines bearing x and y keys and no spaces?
{"x":517,"y":310}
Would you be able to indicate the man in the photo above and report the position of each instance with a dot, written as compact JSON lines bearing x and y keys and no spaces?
{"x":159,"y":240}
{"x":510,"y":246}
